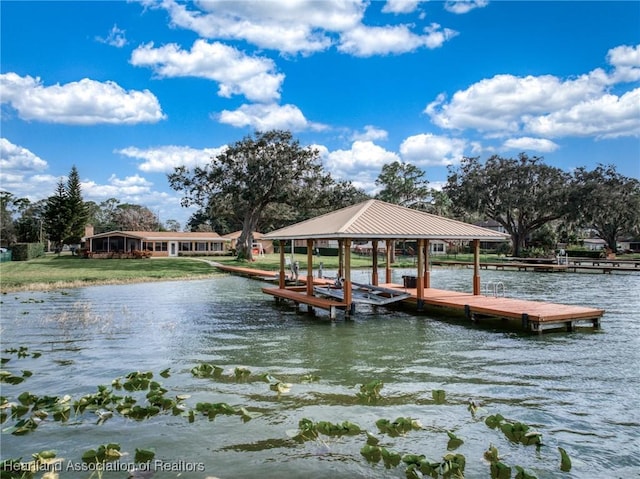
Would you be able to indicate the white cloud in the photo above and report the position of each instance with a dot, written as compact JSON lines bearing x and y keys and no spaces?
{"x":371,"y":133}
{"x":526,"y":143}
{"x":400,"y":6}
{"x":305,"y":26}
{"x":464,"y":6}
{"x":361,"y":164}
{"x":116,"y":37}
{"x":609,"y":116}
{"x":364,"y":41}
{"x":17,"y":158}
{"x":164,"y":159}
{"x":291,"y":27}
{"x":85,"y":102}
{"x":626,"y":62}
{"x":507,"y":105}
{"x":427,"y":149}
{"x":265,"y":117}
{"x":236,"y":73}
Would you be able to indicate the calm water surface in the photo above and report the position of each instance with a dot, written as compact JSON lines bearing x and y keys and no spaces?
{"x":579,"y":389}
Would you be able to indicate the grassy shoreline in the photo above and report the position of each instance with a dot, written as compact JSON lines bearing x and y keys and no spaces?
{"x":65,"y":271}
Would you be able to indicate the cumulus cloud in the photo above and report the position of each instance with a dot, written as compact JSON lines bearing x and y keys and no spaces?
{"x":236,"y":72}
{"x":304,"y":26}
{"x":164,"y":159}
{"x":400,"y":6}
{"x":427,"y":149}
{"x":361,"y":164}
{"x":547,"y":105}
{"x":17,"y":158}
{"x":626,"y":62}
{"x":364,"y":41}
{"x":464,"y":6}
{"x":371,"y":133}
{"x":526,"y":143}
{"x":265,"y":117}
{"x":85,"y":102}
{"x":115,"y":38}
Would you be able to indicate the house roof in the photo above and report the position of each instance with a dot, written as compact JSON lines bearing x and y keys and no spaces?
{"x":375,"y":219}
{"x":162,"y":235}
{"x":236,"y":235}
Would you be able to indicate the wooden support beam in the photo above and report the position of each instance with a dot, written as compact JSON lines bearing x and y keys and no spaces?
{"x":347,"y":273}
{"x":281,"y":282}
{"x":476,"y":267}
{"x":420,"y":275}
{"x":427,"y":265}
{"x":374,"y":255}
{"x":387,"y":271}
{"x":310,"y":267}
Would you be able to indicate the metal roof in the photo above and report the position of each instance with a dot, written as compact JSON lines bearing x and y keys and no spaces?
{"x":162,"y":235}
{"x":375,"y":219}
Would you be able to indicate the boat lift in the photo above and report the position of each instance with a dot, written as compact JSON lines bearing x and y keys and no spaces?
{"x":364,"y":294}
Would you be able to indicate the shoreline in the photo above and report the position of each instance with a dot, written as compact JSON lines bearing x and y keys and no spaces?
{"x":53,"y":286}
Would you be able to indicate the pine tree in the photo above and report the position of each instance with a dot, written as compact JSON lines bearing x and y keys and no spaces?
{"x":56,"y":216}
{"x":76,"y":207}
{"x":66,"y":213}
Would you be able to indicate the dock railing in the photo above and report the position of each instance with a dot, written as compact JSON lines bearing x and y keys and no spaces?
{"x":494,"y":288}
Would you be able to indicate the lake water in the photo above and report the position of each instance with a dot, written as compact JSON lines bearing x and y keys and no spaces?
{"x":580,"y":390}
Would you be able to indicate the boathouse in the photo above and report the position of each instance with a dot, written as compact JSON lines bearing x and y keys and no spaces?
{"x":381,"y":222}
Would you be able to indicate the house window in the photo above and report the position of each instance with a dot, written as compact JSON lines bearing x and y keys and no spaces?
{"x":185,"y":246}
{"x":201,"y":246}
{"x":437,"y":247}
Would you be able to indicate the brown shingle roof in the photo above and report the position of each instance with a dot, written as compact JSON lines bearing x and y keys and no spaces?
{"x":375,"y":219}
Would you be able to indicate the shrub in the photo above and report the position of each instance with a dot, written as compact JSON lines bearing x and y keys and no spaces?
{"x":26,"y":251}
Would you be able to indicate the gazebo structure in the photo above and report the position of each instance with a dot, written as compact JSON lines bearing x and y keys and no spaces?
{"x":375,"y":221}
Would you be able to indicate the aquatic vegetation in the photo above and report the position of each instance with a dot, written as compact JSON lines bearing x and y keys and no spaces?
{"x":370,"y":391}
{"x":565,"y":460}
{"x":514,"y":431}
{"x":138,"y":396}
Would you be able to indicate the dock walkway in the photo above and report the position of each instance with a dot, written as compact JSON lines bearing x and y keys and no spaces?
{"x":534,"y":316}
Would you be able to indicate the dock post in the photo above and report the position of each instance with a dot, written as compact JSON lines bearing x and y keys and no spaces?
{"x":525,"y":320}
{"x":476,"y":267}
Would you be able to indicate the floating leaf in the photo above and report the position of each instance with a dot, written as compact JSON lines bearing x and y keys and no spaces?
{"x":280,"y":388}
{"x":565,"y":460}
{"x":522,"y":474}
{"x":165,"y":373}
{"x":500,"y":470}
{"x":454,"y":441}
{"x":438,"y":395}
{"x":491,"y":454}
{"x":144,"y":455}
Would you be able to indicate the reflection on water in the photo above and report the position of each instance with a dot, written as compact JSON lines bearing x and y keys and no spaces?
{"x":579,"y":389}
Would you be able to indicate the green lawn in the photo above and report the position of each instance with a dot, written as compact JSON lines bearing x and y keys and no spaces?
{"x":53,"y":271}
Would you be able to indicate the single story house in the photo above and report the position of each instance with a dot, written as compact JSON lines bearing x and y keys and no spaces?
{"x":258,"y":243}
{"x":158,"y":243}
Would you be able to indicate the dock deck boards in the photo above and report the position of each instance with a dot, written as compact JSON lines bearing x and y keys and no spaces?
{"x":538,"y":314}
{"x":535,"y":316}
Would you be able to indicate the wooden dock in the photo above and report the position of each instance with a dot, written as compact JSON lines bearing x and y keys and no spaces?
{"x":575,"y":266}
{"x":534,"y":316}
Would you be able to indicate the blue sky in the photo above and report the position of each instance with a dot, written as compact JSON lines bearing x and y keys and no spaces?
{"x":126,"y":91}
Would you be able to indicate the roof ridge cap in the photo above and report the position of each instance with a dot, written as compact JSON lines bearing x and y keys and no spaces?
{"x":365,"y":206}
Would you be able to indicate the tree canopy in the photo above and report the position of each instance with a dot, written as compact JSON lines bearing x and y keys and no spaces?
{"x":403,"y":184}
{"x":262,"y":173}
{"x":521,"y":194}
{"x":607,"y":202}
